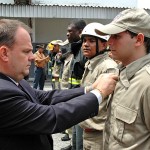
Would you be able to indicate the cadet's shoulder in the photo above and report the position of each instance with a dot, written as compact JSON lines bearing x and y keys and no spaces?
{"x":147,"y":68}
{"x":110,"y":62}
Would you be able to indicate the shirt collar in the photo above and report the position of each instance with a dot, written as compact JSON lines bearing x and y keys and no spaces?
{"x":92,"y":62}
{"x":132,"y":68}
{"x":13,"y":80}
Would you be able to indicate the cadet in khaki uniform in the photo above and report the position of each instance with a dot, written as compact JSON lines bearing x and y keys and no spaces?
{"x":94,"y":48}
{"x":66,"y":70}
{"x":54,"y":47}
{"x":128,"y":122}
{"x":66,"y":62}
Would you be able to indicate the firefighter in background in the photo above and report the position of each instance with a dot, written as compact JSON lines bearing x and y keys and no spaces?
{"x":55,"y":54}
{"x":74,"y":31}
{"x":40,"y":62}
{"x":65,"y":65}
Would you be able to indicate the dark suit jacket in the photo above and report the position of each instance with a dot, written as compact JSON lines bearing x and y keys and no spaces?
{"x":28,"y":117}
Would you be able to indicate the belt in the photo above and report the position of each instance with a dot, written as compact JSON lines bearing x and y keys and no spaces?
{"x":90,"y":130}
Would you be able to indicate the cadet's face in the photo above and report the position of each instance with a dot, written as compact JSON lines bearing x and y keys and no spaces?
{"x":89,"y":46}
{"x":122,"y":47}
{"x":20,"y":55}
{"x":73,"y":34}
{"x":56,"y":48}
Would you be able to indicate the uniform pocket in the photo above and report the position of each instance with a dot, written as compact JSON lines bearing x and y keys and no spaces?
{"x":123,"y":118}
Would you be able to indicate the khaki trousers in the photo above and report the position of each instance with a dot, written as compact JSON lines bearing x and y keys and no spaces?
{"x":93,"y":140}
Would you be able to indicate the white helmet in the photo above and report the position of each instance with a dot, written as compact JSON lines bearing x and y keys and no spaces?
{"x":90,"y":30}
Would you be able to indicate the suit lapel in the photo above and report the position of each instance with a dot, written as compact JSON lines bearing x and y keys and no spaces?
{"x":29,"y":93}
{"x":24,"y":87}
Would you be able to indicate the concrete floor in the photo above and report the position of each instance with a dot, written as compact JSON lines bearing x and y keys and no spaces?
{"x":58,"y":144}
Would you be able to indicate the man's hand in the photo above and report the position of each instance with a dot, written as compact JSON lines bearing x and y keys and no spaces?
{"x":105,"y":83}
{"x":47,"y":58}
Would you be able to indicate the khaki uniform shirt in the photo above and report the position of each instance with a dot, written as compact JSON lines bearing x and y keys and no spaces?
{"x":93,"y":68}
{"x":40,"y":59}
{"x":66,"y":70}
{"x":56,"y":68}
{"x":128,"y":122}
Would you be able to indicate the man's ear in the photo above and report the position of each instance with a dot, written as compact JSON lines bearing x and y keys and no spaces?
{"x":139,"y":39}
{"x":4,"y":53}
{"x":80,"y":31}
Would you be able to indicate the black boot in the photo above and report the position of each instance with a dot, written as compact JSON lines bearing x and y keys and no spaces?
{"x":66,"y":137}
{"x":63,"y":132}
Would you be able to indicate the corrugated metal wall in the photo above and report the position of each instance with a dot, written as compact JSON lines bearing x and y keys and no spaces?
{"x":93,"y":3}
{"x":34,"y":11}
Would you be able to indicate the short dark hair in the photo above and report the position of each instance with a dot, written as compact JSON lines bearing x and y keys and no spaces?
{"x":147,"y":44}
{"x":78,"y":23}
{"x":146,"y":41}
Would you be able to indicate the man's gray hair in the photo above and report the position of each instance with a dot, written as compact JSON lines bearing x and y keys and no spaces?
{"x":8,"y":28}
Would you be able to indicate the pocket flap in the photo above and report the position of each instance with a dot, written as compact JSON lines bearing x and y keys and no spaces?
{"x":125,"y":114}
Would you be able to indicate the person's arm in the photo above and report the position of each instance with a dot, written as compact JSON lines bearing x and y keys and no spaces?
{"x":41,"y":60}
{"x":103,"y":86}
{"x":22,"y":113}
{"x":47,"y":59}
{"x":38,"y":59}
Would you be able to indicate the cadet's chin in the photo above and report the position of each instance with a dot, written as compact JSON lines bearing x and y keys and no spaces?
{"x":86,"y":54}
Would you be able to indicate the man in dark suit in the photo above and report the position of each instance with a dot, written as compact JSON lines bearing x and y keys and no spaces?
{"x":29,"y":116}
